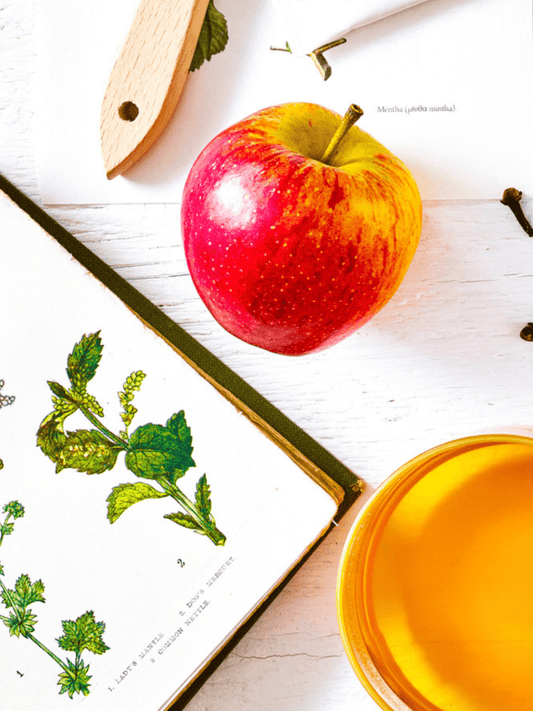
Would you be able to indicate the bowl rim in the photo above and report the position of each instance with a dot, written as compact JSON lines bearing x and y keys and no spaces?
{"x":359,"y":541}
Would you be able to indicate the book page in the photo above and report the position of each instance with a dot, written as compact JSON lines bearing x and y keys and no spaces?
{"x":312,"y":23}
{"x":155,"y":516}
{"x":445,"y":85}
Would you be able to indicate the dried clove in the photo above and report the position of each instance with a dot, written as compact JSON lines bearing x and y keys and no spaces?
{"x":511,"y":198}
{"x":526,"y":333}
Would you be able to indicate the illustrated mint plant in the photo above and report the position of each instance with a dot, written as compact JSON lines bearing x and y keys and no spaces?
{"x":80,"y":635}
{"x":161,"y":454}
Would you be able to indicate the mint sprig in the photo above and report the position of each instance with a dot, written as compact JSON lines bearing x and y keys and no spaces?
{"x":213,"y":37}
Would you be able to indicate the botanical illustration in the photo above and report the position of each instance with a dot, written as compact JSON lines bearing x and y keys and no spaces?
{"x":5,"y":400}
{"x":80,"y":635}
{"x":161,"y":454}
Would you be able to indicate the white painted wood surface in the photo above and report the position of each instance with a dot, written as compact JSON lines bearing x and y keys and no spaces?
{"x":442,"y":360}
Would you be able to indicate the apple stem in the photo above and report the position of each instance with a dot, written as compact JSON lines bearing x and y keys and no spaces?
{"x":353,"y":114}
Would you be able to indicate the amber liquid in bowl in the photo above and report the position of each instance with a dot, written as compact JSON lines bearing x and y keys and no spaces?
{"x":449,"y":586}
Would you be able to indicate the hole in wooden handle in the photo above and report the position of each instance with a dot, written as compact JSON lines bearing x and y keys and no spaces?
{"x":128,"y":111}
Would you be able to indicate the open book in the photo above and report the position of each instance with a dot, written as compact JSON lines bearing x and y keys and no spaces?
{"x":150,"y":501}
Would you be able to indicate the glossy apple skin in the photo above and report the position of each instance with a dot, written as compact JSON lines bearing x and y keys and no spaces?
{"x":289,"y":254}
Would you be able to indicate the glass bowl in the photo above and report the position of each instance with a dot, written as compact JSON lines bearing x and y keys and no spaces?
{"x":435,"y":584}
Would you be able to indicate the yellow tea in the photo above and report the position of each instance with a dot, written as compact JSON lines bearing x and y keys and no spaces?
{"x":449,"y":585}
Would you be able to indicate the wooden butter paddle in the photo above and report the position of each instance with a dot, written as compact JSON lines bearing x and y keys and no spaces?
{"x":147,"y":79}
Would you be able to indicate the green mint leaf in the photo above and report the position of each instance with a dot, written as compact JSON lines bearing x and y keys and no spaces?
{"x":86,"y":451}
{"x":125,"y":495}
{"x":1,"y":464}
{"x":83,"y":362}
{"x":184,"y":520}
{"x":75,"y":680}
{"x":82,"y":634}
{"x":21,"y":624}
{"x":203,"y":497}
{"x":177,"y":424}
{"x":213,"y":37}
{"x":14,"y":508}
{"x":157,"y":451}
{"x":50,"y":436}
{"x":1,"y":569}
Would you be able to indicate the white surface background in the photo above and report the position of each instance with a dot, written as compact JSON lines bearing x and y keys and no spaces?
{"x":442,"y":360}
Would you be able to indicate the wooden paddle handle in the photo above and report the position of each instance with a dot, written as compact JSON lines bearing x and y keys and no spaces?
{"x":147,"y":79}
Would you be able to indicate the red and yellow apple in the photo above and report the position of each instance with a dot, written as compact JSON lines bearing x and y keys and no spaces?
{"x":291,"y":250}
